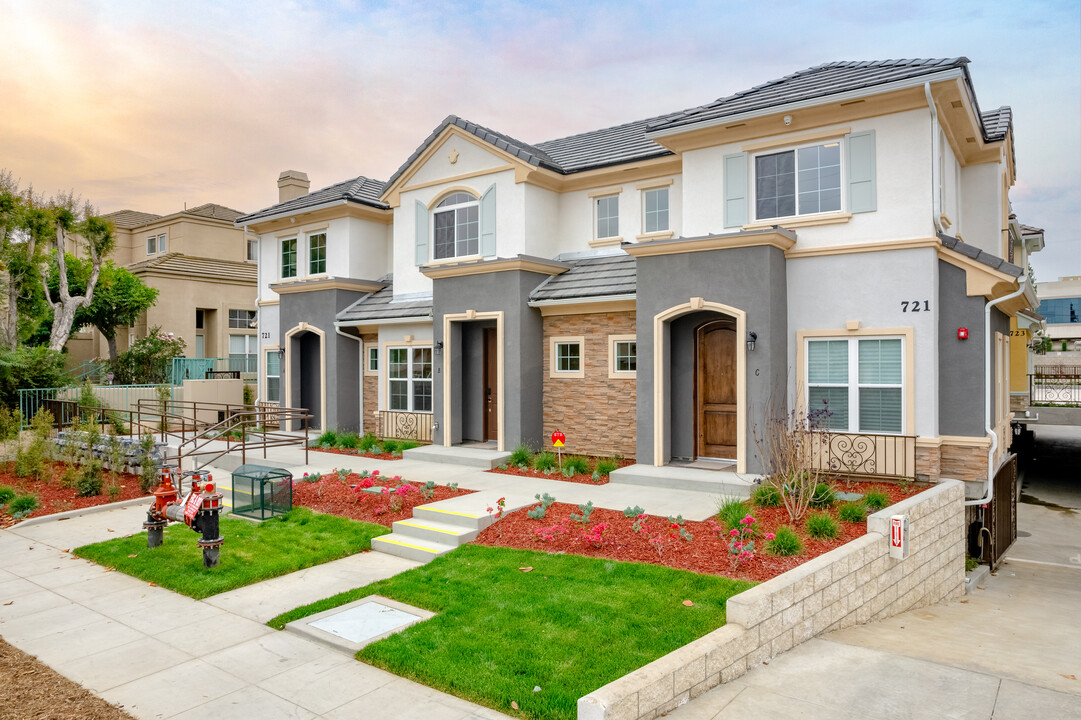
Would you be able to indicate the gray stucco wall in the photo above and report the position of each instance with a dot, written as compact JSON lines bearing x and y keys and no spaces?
{"x":522,"y":352}
{"x":961,"y":387}
{"x":752,"y":279}
{"x":342,"y":371}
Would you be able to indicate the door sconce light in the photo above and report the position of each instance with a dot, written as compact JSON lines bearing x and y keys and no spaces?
{"x":281,"y":353}
{"x":751,"y":338}
{"x":439,"y":348}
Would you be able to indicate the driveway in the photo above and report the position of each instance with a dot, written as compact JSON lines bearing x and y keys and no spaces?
{"x":1010,"y":649}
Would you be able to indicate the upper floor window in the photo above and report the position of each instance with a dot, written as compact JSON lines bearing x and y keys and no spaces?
{"x":802,"y":181}
{"x":317,"y":254}
{"x":241,"y":318}
{"x":289,"y":258}
{"x":156,"y":244}
{"x":253,"y":248}
{"x":457,"y":226}
{"x":607,"y":216}
{"x":655,"y":205}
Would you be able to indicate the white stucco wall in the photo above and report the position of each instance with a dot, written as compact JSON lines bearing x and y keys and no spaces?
{"x":268,"y":338}
{"x":366,"y":251}
{"x":981,"y":190}
{"x":824,"y":293}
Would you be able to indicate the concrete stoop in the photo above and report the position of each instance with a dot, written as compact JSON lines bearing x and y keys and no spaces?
{"x":437,"y":528}
{"x":717,"y":482}
{"x":481,"y":457}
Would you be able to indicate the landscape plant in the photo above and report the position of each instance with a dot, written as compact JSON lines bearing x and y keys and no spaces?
{"x":823,"y":497}
{"x":583,"y":514}
{"x":766,"y":496}
{"x":788,"y":443}
{"x":631,"y":512}
{"x":521,"y":456}
{"x":822,"y":526}
{"x":575,"y":465}
{"x":784,"y":543}
{"x":539,"y":511}
{"x":545,"y":462}
{"x":730,"y":511}
{"x":852,"y":512}
{"x":11,"y":422}
{"x":22,"y":505}
{"x":605,"y":466}
{"x":876,"y":500}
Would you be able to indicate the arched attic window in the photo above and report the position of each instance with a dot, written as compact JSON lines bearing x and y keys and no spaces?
{"x":456,"y":226}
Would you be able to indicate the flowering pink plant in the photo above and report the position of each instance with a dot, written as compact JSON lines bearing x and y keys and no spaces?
{"x":550,"y":533}
{"x":741,"y":540}
{"x":595,"y":535}
{"x":500,"y":506}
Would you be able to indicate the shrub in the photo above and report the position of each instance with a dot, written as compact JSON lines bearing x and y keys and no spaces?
{"x":348,"y":441}
{"x":70,"y":477}
{"x":149,"y":360}
{"x":876,"y":500}
{"x":766,"y":496}
{"x":392,"y":446}
{"x":784,"y":543}
{"x":605,"y":466}
{"x":539,"y":512}
{"x":823,"y":497}
{"x":367,"y":442}
{"x":521,"y":456}
{"x":11,"y":422}
{"x":633,"y":512}
{"x":6,"y":494}
{"x":30,"y":462}
{"x":29,"y":367}
{"x":404,"y":445}
{"x":327,"y":440}
{"x":23,"y":505}
{"x":821,"y":526}
{"x":148,"y":477}
{"x":730,"y":511}
{"x":585,"y":510}
{"x":853,"y":512}
{"x":545,"y":461}
{"x":575,"y":465}
{"x":971,"y":563}
{"x":89,"y":484}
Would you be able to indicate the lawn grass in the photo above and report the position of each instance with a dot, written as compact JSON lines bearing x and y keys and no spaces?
{"x":252,"y":551}
{"x":569,"y":626}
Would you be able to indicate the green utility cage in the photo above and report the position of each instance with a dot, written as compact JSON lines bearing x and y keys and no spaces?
{"x":261,"y":492}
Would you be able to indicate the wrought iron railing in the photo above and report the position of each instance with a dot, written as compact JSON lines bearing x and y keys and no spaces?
{"x":405,"y":425}
{"x":1055,"y":385}
{"x":864,"y":454}
{"x":207,"y":368}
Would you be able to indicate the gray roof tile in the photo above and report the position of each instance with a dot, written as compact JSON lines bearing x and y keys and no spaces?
{"x":361,"y":189}
{"x":996,"y":123}
{"x":980,"y":256}
{"x":381,"y":305}
{"x":591,"y":277}
{"x":131,"y":218}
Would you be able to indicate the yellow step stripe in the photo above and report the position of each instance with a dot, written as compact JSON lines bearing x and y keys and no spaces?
{"x":429,"y":527}
{"x":451,"y":512}
{"x":415,"y":547}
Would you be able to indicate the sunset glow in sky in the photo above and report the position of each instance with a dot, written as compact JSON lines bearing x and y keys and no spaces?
{"x":150,"y":105}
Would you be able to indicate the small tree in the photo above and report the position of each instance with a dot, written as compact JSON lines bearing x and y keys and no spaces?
{"x":149,"y":360}
{"x":789,"y":444}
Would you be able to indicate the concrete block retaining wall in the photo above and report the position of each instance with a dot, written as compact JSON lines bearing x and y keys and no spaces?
{"x":855,"y":583}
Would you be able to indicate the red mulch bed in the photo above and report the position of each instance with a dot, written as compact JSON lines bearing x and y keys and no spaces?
{"x":584,"y":479}
{"x":331,"y":495}
{"x":357,"y":453}
{"x":706,"y":553}
{"x":55,"y":497}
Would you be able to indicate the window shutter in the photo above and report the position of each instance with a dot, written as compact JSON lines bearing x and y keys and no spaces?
{"x":735,"y":190}
{"x":422,"y":234}
{"x":487,"y":222}
{"x":861,"y":172}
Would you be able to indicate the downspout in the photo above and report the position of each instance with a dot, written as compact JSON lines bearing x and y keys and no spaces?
{"x":360,"y":373}
{"x":936,"y":212}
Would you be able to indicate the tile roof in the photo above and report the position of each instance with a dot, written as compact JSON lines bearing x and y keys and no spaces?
{"x":197,"y":268}
{"x":381,"y":305}
{"x":980,"y":256}
{"x":591,"y":277}
{"x":608,"y":146}
{"x":360,"y":189}
{"x":131,"y":218}
{"x":996,"y":123}
{"x":215,"y":212}
{"x":815,"y":82}
{"x":1029,"y":230}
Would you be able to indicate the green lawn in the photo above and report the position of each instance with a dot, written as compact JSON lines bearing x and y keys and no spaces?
{"x":252,"y":551}
{"x":569,"y":626}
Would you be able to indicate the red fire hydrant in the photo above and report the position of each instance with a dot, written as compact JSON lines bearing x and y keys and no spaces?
{"x":199,"y":510}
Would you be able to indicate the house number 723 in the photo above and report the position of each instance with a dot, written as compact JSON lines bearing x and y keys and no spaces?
{"x":915,"y":306}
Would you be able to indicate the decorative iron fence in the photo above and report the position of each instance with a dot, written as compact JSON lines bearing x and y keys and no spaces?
{"x":864,"y":455}
{"x":245,"y":367}
{"x":109,"y":397}
{"x":405,"y":425}
{"x":1055,"y":385}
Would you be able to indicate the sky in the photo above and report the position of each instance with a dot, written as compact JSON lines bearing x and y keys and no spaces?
{"x":154,"y":105}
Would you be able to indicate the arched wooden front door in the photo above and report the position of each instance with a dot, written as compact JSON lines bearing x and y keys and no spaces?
{"x":715,"y":389}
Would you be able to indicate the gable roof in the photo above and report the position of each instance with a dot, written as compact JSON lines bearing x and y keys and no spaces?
{"x":381,"y":305}
{"x":363,"y":190}
{"x":813,"y":83}
{"x":197,"y":268}
{"x":215,"y":212}
{"x":590,"y":277}
{"x":131,"y":218}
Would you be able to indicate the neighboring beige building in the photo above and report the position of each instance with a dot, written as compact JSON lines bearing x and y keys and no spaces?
{"x":205,"y":272}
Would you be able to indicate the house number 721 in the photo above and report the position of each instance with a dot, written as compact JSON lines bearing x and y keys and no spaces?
{"x":915,"y":305}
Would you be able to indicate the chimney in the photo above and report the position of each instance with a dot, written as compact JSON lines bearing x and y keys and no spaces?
{"x":292,"y":184}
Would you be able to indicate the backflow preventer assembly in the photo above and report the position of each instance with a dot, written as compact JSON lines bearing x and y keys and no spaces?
{"x":199,"y":510}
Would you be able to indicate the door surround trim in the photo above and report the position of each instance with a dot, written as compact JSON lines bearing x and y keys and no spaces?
{"x":730,"y":322}
{"x":298,"y":329}
{"x":468,"y":316}
{"x":660,"y":391}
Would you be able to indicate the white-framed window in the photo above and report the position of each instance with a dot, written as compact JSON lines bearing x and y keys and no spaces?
{"x":317,"y":253}
{"x":242,"y":353}
{"x":253,"y":249}
{"x":857,"y":384}
{"x":273,"y":376}
{"x":622,"y":356}
{"x":156,"y":244}
{"x":607,"y":211}
{"x":371,"y":361}
{"x":456,"y":226}
{"x":241,"y":319}
{"x":289,"y":258}
{"x":801,"y":181}
{"x":566,"y":357}
{"x":655,"y":210}
{"x":409,"y":378}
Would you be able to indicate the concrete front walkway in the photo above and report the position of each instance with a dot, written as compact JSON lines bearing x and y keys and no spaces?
{"x":163,"y":655}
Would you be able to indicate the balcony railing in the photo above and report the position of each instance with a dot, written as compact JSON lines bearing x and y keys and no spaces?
{"x":1055,"y":385}
{"x":405,"y":425}
{"x":864,"y":455}
{"x":245,"y":367}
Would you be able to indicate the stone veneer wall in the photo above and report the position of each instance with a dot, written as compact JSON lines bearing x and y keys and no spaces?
{"x":855,"y":583}
{"x":596,"y":413}
{"x":370,"y":422}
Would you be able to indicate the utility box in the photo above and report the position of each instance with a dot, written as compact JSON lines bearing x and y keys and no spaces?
{"x":261,"y":492}
{"x":899,"y":537}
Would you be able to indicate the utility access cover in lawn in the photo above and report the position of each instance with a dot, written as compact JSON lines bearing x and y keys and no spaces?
{"x":353,"y":626}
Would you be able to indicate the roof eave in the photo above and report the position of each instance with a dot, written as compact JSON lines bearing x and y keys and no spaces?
{"x":582,"y":300}
{"x":252,"y":219}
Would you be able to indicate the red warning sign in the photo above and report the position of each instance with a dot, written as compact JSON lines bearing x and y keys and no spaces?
{"x":558,"y":439}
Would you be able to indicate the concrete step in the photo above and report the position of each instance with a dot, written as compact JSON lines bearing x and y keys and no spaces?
{"x":434,"y":531}
{"x":457,"y":455}
{"x":410,"y":548}
{"x":718,"y":482}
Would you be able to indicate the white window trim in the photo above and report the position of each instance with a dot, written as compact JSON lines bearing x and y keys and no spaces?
{"x":296,"y":262}
{"x":368,"y":371}
{"x":753,"y":188}
{"x":613,"y":373}
{"x":409,"y":346}
{"x":308,"y":254}
{"x":553,"y":343}
{"x":452,"y":208}
{"x":598,"y":240}
{"x":263,"y":395}
{"x":654,"y":233}
{"x":853,"y":383}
